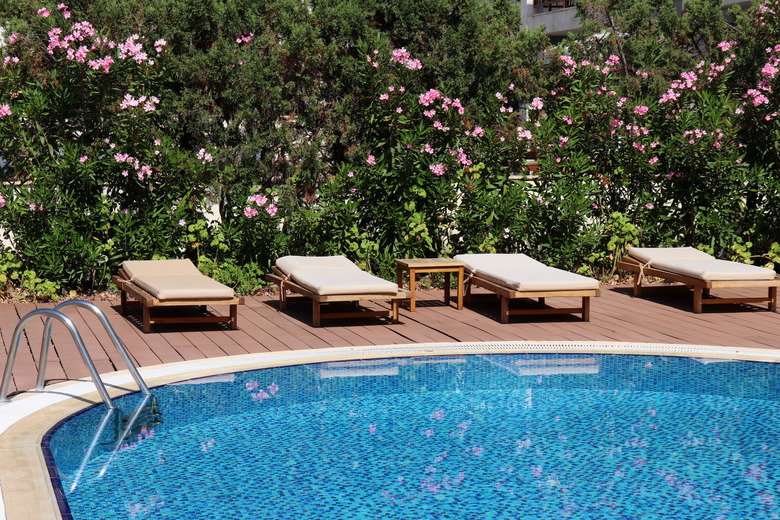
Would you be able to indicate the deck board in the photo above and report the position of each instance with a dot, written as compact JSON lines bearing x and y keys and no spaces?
{"x":657,"y":317}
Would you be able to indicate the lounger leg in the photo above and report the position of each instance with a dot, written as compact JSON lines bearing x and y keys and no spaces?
{"x":586,"y":308}
{"x":697,"y":294}
{"x":467,"y":291}
{"x":394,"y":305}
{"x":504,"y":309}
{"x":315,"y":307}
{"x":147,"y":319}
{"x":541,"y":300}
{"x":122,"y":302}
{"x":773,"y":299}
{"x":637,"y":285}
{"x":282,"y":297}
{"x":234,"y":317}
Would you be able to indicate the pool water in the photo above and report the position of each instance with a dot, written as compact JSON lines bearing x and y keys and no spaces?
{"x":509,"y":436}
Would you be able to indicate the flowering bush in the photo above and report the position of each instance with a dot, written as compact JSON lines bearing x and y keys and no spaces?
{"x":93,"y":178}
{"x":422,"y":159}
{"x":266,"y":135}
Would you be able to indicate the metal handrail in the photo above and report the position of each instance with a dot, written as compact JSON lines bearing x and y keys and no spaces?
{"x":54,"y":314}
{"x":111,"y":333}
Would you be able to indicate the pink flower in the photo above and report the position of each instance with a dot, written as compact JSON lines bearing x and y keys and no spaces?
{"x":649,"y":205}
{"x":384,"y":97}
{"x":725,"y":46}
{"x":44,"y":12}
{"x":478,"y":131}
{"x":399,"y":110}
{"x":5,"y":110}
{"x":437,"y":169}
{"x":182,"y":222}
{"x":641,"y":110}
{"x":83,"y":158}
{"x":429,"y":97}
{"x":250,"y":212}
{"x":537,"y":103}
{"x":261,"y":395}
{"x":271,"y":209}
{"x":400,"y":55}
{"x":258,"y":199}
{"x":2,"y":200}
{"x":653,"y":160}
{"x":371,"y":160}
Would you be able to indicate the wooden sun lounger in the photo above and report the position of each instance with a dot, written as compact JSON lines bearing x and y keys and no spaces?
{"x":286,"y":284}
{"x":701,"y":288}
{"x":506,"y":294}
{"x":513,"y":276}
{"x":147,"y":301}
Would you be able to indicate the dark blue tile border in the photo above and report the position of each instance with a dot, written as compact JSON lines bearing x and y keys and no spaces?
{"x":51,"y":466}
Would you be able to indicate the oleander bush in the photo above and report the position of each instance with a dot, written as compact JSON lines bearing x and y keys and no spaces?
{"x":236,"y":132}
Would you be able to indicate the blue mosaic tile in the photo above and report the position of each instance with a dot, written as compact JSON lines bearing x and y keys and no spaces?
{"x":526,"y":436}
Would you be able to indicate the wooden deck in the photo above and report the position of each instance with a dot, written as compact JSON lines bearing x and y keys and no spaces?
{"x":660,"y":317}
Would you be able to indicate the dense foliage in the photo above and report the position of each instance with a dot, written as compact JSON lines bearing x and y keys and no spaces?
{"x":236,"y":131}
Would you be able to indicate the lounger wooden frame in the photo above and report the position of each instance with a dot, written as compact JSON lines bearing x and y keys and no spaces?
{"x":701,"y":288}
{"x":147,"y":301}
{"x":285,"y":284}
{"x":506,"y":294}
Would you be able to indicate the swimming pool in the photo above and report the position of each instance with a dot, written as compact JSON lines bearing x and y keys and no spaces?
{"x":469,"y":436}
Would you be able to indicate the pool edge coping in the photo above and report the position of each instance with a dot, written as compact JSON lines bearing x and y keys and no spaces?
{"x":25,"y":485}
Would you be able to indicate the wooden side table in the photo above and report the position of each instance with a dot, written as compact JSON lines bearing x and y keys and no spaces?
{"x":430,"y":265}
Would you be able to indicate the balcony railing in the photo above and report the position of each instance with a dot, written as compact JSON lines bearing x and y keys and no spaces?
{"x":549,"y":5}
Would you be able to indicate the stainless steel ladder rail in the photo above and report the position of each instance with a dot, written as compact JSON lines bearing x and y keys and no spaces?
{"x":55,"y":314}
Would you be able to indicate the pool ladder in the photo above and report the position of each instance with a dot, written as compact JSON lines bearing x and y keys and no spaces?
{"x":56,"y":314}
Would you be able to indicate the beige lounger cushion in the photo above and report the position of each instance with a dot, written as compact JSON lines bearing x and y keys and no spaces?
{"x":291,"y":263}
{"x":688,"y":261}
{"x":523,"y":273}
{"x":331,"y":275}
{"x":715,"y":269}
{"x":651,"y":255}
{"x":342,"y":281}
{"x":174,"y":280}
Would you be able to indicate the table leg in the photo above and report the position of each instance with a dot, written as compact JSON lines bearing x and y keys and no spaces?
{"x":460,"y":288}
{"x":412,"y":287}
{"x":447,"y":288}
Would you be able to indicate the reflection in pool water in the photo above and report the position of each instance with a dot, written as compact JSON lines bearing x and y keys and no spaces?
{"x":532,"y":436}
